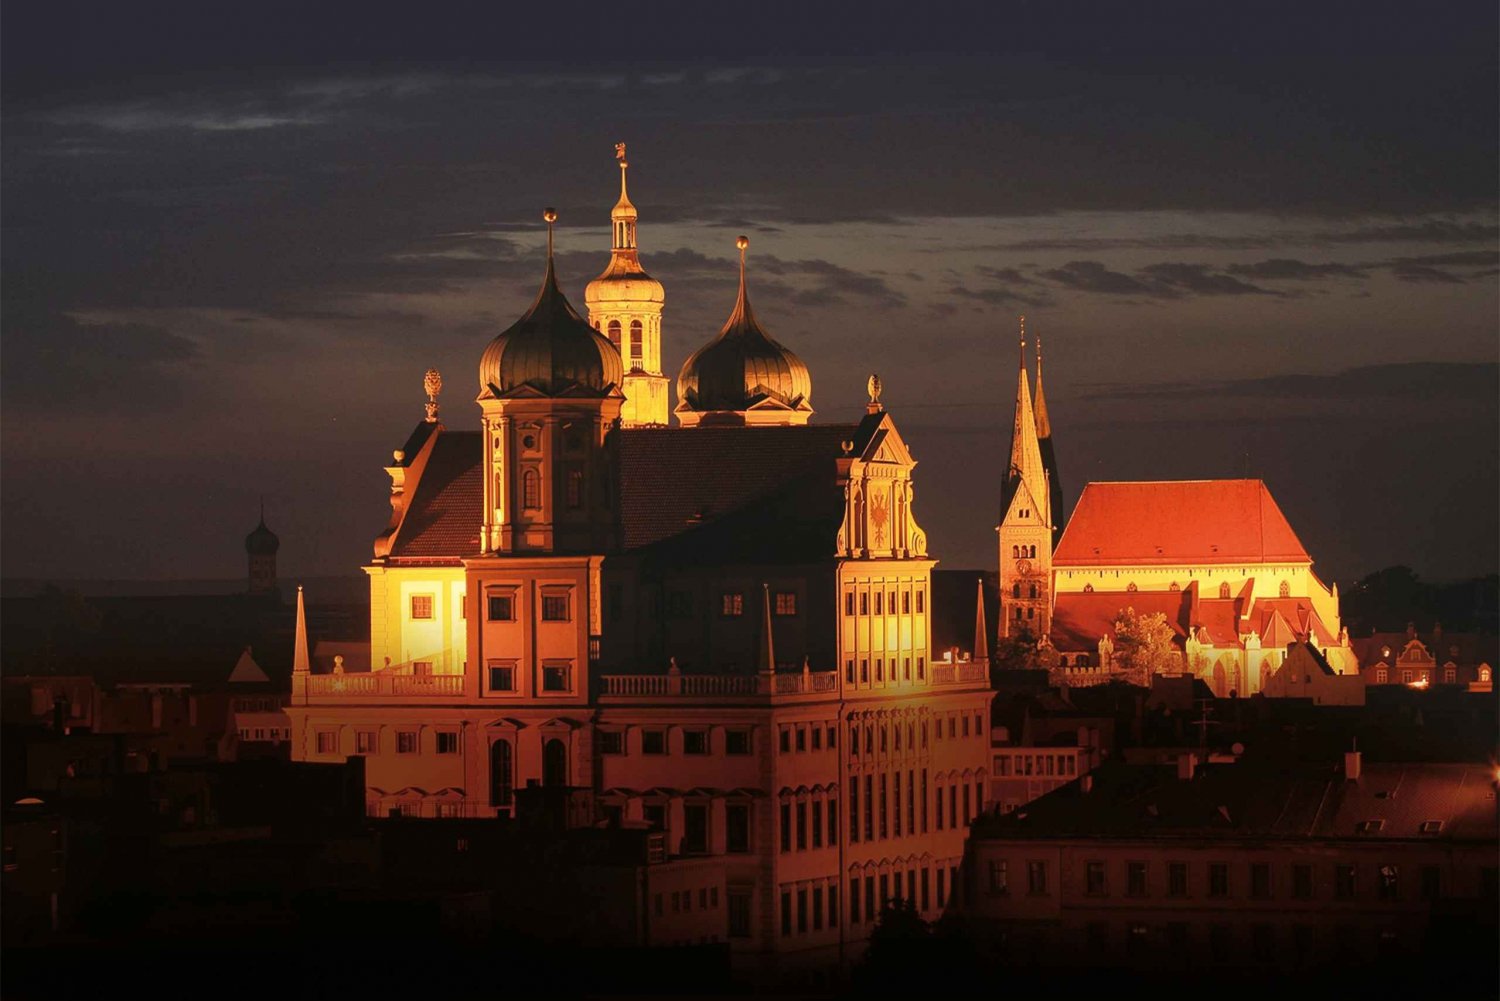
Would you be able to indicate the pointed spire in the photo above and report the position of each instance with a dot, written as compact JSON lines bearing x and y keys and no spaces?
{"x":1023,"y":343}
{"x":1026,"y":466}
{"x":743,"y":317}
{"x":301,"y":663}
{"x":262,"y":510}
{"x":1043,"y":423}
{"x":981,"y":638}
{"x":767,"y":656}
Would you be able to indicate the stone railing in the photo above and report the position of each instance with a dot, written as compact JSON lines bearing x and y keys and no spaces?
{"x":718,"y":685}
{"x":964,"y":672}
{"x":382,"y":684}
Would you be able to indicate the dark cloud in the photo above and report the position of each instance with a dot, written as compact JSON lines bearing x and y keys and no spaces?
{"x":1200,"y":279}
{"x":1445,"y":382}
{"x":55,"y":363}
{"x":1422,"y":274}
{"x":1288,"y":269}
{"x":1093,"y":276}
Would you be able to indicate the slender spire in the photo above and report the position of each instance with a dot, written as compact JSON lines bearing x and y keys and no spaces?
{"x":767,"y":641}
{"x":1026,"y":464}
{"x":301,"y":663}
{"x":1043,"y":424}
{"x":1023,"y":343}
{"x":624,"y":165}
{"x":981,"y":639}
{"x":742,"y":314}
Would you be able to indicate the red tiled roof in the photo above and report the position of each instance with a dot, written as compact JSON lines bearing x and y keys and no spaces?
{"x":1296,"y":613}
{"x":1180,"y":521}
{"x":1078,"y":620}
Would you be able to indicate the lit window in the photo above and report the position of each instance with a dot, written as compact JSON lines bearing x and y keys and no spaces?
{"x":785,"y":603}
{"x":421,"y":606}
{"x":635,"y":343}
{"x":731,"y":604}
{"x":614,"y":332}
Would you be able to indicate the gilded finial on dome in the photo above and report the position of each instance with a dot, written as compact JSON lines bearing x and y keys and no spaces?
{"x":432,"y":384}
{"x":874,"y":387}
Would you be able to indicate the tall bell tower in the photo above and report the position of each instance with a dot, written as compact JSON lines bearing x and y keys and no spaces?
{"x":625,"y":304}
{"x":1026,"y":524}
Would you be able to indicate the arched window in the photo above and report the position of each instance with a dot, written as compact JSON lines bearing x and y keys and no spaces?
{"x":635,"y":343}
{"x":1032,"y":554}
{"x":1033,"y":590}
{"x":1131,"y":587}
{"x":1224,"y":589}
{"x":1088,"y":589}
{"x":1175,"y":586}
{"x":531,"y":489}
{"x":554,"y":763}
{"x":1015,"y":590}
{"x":1484,"y":674}
{"x":502,"y":778}
{"x":614,"y":332}
{"x":1285,"y":590}
{"x":575,"y":489}
{"x":1015,"y":552}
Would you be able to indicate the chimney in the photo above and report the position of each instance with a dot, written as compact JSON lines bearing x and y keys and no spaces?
{"x":1186,"y":764}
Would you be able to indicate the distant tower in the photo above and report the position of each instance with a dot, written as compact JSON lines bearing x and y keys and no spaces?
{"x":260,"y":550}
{"x":625,"y":304}
{"x":1049,"y":454}
{"x":1026,"y":529}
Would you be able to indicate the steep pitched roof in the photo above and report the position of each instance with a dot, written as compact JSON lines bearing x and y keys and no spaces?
{"x":442,"y":519}
{"x":1177,"y":522}
{"x":1078,"y":620}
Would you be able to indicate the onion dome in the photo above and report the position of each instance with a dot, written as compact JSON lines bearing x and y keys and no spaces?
{"x":624,"y":282}
{"x":743,"y":376}
{"x":262,"y":541}
{"x":550,"y":350}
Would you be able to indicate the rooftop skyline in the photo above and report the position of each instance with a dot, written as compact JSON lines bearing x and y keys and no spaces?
{"x":1254,"y":243}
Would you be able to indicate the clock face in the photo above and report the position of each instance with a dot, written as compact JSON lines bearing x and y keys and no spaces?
{"x":1023,"y":567}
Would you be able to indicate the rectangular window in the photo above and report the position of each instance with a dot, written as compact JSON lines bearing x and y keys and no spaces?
{"x":942,"y":886}
{"x":785,"y":603}
{"x":854,"y":900}
{"x":739,"y":914}
{"x":801,"y":738}
{"x":653,"y":742}
{"x":554,"y":608}
{"x":999,"y":877}
{"x":833,"y":905}
{"x":502,"y":608}
{"x":1389,"y":886}
{"x":870,"y":901}
{"x":502,"y":677}
{"x":328,"y":742}
{"x":731,"y":604}
{"x":786,"y":912}
{"x":655,"y":814}
{"x":921,"y":600}
{"x":447,"y":742}
{"x":939,"y":795}
{"x":555,"y":677}
{"x":421,"y":606}
{"x":1302,"y":881}
{"x":695,"y":742}
{"x":864,"y":671}
{"x":1094,"y":884}
{"x":786,"y":827}
{"x":1218,"y":879}
{"x":695,"y":829}
{"x":1036,"y":878}
{"x":786,"y":740}
{"x":1135,"y":879}
{"x":801,"y":826}
{"x":926,"y":889}
{"x":921,"y":668}
{"x":864,"y":604}
{"x":801,"y":912}
{"x":737,"y":742}
{"x":848,"y":602}
{"x":833,"y":822}
{"x":817,"y":908}
{"x":817,"y":738}
{"x":924,"y":784}
{"x":1343,"y":881}
{"x":1177,"y":879}
{"x":611,"y":742}
{"x":884,"y":823}
{"x":421,"y":668}
{"x":737,"y":828}
{"x":817,"y":825}
{"x":911,"y":802}
{"x":406,"y":742}
{"x":1260,"y":880}
{"x":879,"y":595}
{"x":905,"y":602}
{"x":896,"y":801}
{"x":854,"y":810}
{"x":869,"y":808}
{"x":364,"y":741}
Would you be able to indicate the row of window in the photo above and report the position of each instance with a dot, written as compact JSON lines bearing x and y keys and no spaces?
{"x":500,"y":607}
{"x":805,"y":908}
{"x":732,"y":604}
{"x":1044,"y":765}
{"x":694,"y":741}
{"x":1020,"y":552}
{"x":503,"y":677}
{"x":806,"y":825}
{"x":695,"y":824}
{"x":368,"y":742}
{"x":875,"y":892}
{"x":807,"y":737}
{"x":266,"y":733}
{"x":889,"y":734}
{"x":1217,"y":881}
{"x":880,"y":673}
{"x":881,"y":815}
{"x":884,"y":602}
{"x":681,"y":901}
{"x":636,"y":338}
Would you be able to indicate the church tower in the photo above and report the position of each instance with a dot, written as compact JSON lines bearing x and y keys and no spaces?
{"x":1049,"y":455}
{"x":625,"y":304}
{"x":1026,"y":524}
{"x":260,"y":553}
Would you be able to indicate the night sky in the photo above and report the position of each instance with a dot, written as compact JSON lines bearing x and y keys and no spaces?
{"x":1255,"y":239}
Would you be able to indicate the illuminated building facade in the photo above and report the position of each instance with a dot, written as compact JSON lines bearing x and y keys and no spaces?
{"x":721,"y":629}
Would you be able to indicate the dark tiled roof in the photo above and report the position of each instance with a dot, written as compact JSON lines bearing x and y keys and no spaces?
{"x":442,"y":521}
{"x":1264,"y":799}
